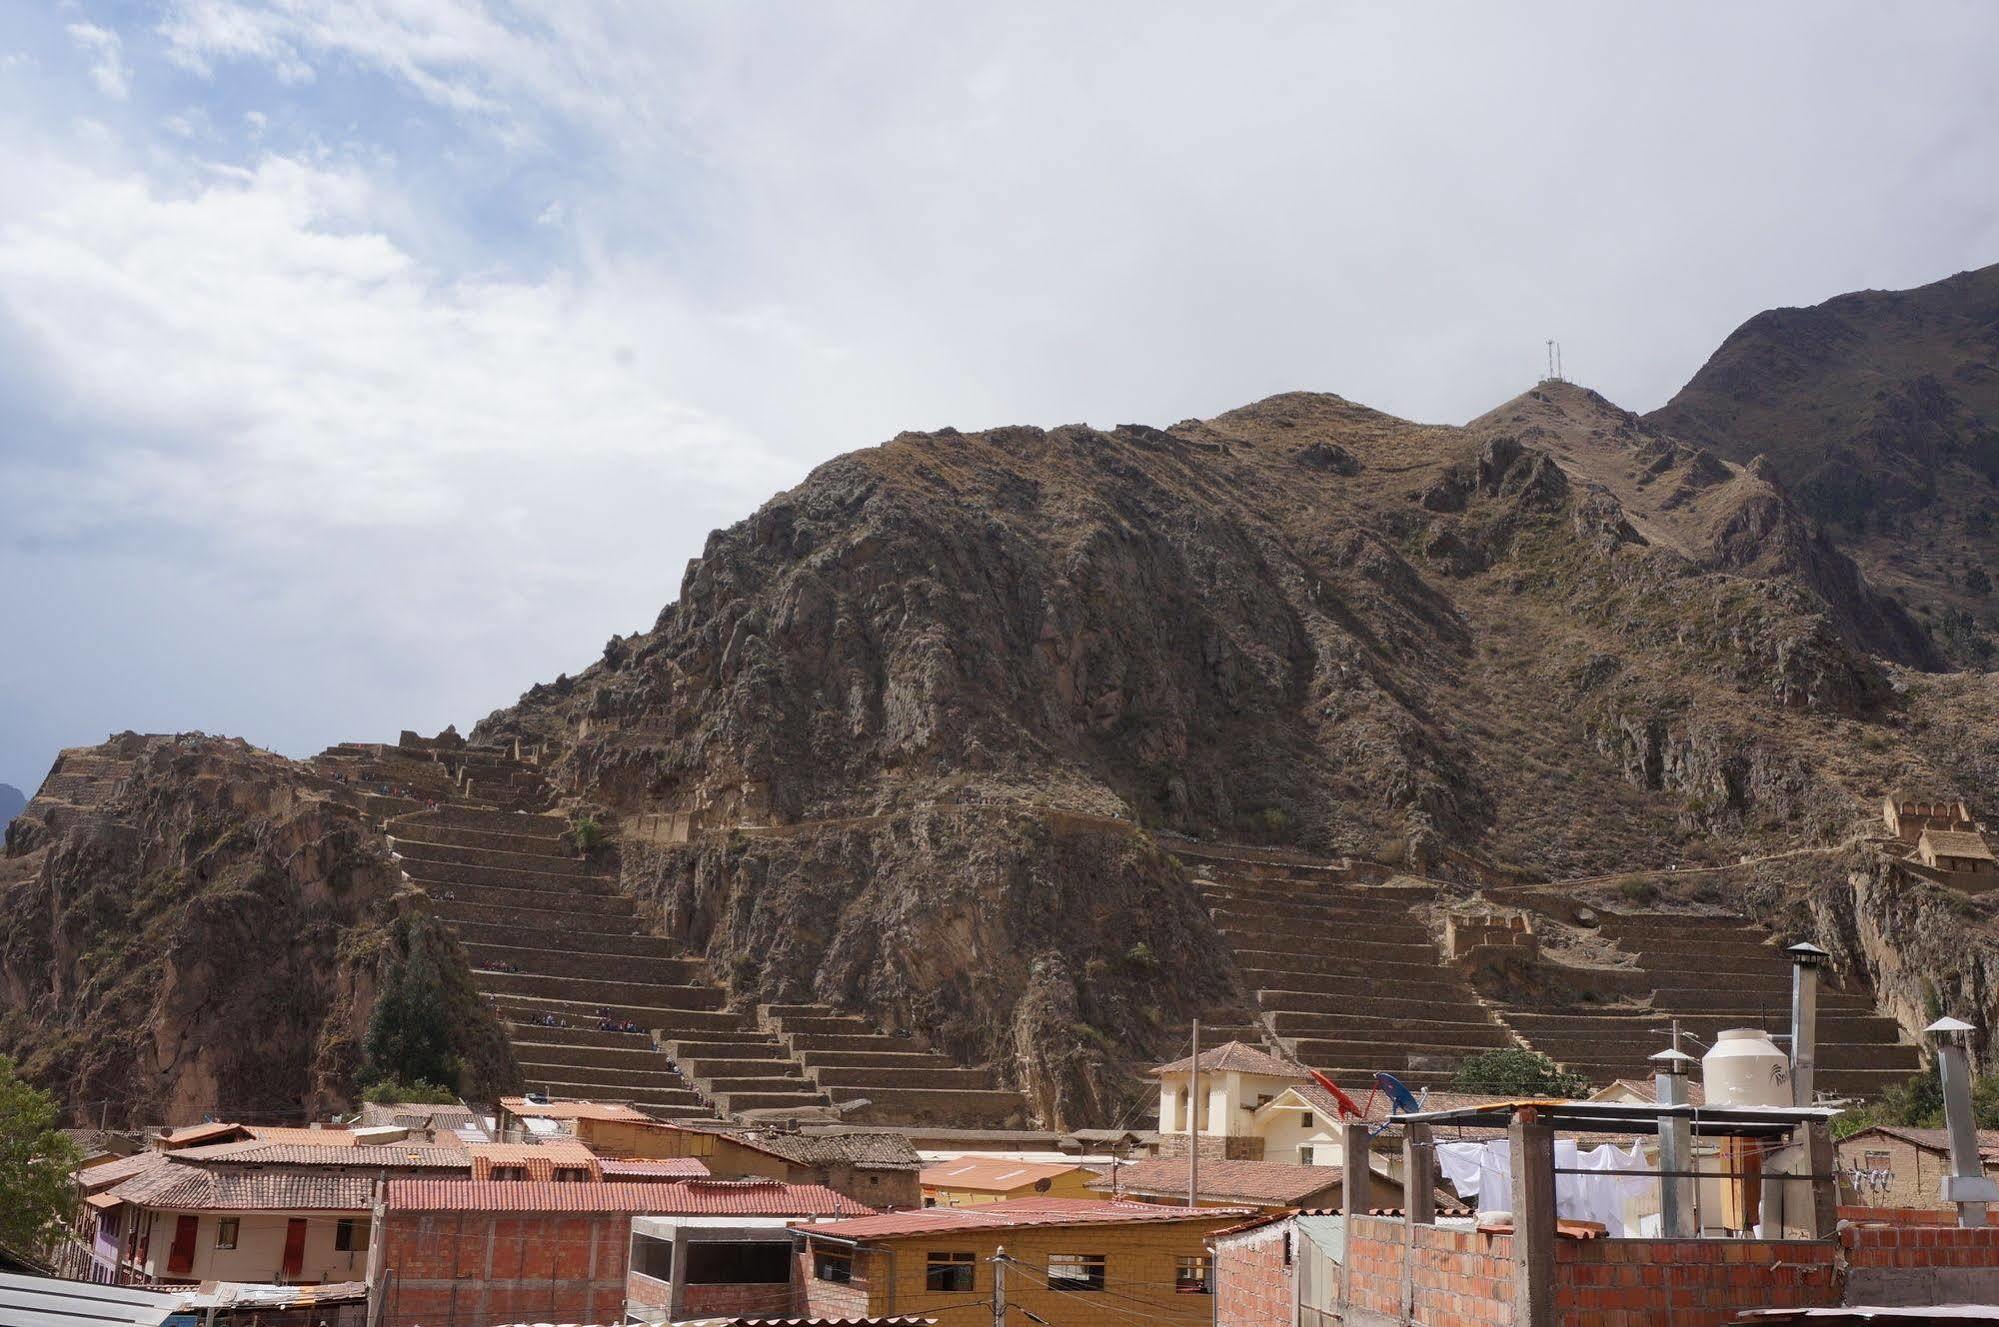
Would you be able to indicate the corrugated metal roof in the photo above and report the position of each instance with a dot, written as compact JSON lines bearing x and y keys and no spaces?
{"x":993,"y":1174}
{"x":680,"y":1197}
{"x":1247,"y":1181}
{"x":1017,"y":1213}
{"x":573,"y":1110}
{"x":675,"y":1168}
{"x":45,"y":1301}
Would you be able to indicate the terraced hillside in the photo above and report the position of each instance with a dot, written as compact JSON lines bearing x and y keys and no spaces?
{"x":1709,"y":973}
{"x":559,"y":952}
{"x":1345,"y":975}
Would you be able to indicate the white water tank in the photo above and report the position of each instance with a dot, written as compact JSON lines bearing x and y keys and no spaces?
{"x":1745,"y":1068}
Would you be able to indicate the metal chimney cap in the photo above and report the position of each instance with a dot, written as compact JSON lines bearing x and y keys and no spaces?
{"x":1948,"y":1026}
{"x":1806,"y":952}
{"x":1671,"y":1055}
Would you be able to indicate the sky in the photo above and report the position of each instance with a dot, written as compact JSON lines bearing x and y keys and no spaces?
{"x":363,"y":362}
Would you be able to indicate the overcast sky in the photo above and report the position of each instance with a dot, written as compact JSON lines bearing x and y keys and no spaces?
{"x":365,"y":361}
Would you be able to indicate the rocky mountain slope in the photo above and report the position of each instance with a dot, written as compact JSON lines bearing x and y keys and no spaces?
{"x":1558,"y":641}
{"x":189,"y":925}
{"x":1879,"y":410}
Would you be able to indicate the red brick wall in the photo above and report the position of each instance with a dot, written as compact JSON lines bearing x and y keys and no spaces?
{"x":450,"y":1268}
{"x":1920,"y":1246}
{"x":1457,"y":1278}
{"x":829,"y":1299}
{"x":739,"y":1301}
{"x":1902,"y":1216}
{"x":1692,"y":1283}
{"x":1253,"y":1282}
{"x":648,"y":1290}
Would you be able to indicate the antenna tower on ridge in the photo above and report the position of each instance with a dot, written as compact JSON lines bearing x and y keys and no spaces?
{"x":1554,"y":362}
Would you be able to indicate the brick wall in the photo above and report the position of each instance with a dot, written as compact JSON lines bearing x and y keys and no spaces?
{"x":1254,"y":1277}
{"x":448,"y":1269}
{"x":1455,"y":1277}
{"x":739,"y":1301}
{"x":1901,"y":1216}
{"x":832,"y":1299}
{"x":1910,"y":1245}
{"x":1691,"y":1283}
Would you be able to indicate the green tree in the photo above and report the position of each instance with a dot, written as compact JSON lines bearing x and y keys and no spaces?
{"x":409,"y":1035}
{"x":36,"y":1163}
{"x":1518,"y":1073}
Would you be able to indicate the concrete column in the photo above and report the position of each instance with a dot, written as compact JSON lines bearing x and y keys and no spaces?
{"x":1820,"y":1160}
{"x":676,"y":1293}
{"x":1419,"y":1175}
{"x":1533,"y":1221}
{"x":1357,"y":1183}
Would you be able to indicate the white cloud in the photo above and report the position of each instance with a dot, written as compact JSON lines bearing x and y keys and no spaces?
{"x":107,"y":68}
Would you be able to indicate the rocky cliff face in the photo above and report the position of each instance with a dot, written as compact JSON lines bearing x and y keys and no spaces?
{"x":1880,"y":411}
{"x":1554,"y":642}
{"x":189,"y":925}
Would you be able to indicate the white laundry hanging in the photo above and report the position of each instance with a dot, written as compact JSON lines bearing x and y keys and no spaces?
{"x":1484,"y":1172}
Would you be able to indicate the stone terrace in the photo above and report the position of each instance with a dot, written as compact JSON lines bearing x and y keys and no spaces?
{"x":1713,"y":973}
{"x":903,"y":1082}
{"x":1346,"y":976}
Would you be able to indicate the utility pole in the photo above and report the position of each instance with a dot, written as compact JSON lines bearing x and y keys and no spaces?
{"x":1194,"y":1119}
{"x":999,"y":1286}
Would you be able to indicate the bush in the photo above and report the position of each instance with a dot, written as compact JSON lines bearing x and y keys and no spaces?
{"x":390,"y":1092}
{"x":1518,"y":1073}
{"x":586,"y":834}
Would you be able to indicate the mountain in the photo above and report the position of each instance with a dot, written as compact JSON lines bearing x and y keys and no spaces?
{"x":997,"y":739}
{"x":12,"y":799}
{"x":1879,"y":412}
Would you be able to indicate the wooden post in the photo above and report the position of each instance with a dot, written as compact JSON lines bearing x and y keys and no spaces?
{"x":1419,"y":1175}
{"x":1357,"y":1180}
{"x":1533,"y":1220}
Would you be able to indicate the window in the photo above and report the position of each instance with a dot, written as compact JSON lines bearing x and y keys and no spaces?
{"x":949,"y":1271}
{"x":652,"y":1257}
{"x":350,"y":1235}
{"x":225,"y":1232}
{"x":830,"y":1266}
{"x":570,"y":1174}
{"x":1076,"y":1271}
{"x":1305,"y":1155}
{"x":508,"y":1173}
{"x":739,"y":1263}
{"x":1190,"y":1276}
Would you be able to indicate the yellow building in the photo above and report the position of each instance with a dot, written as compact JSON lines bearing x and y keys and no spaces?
{"x":971,"y":1180}
{"x":1066,"y":1261}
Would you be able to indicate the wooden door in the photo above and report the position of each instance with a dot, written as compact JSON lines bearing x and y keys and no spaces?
{"x":180,"y":1260}
{"x":294,"y":1249}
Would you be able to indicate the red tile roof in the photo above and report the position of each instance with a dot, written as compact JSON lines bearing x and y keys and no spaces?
{"x":277,"y":1133}
{"x":1017,"y":1213}
{"x":392,"y":1156}
{"x":124,"y":1168}
{"x":1238,"y":1181}
{"x":538,"y":1161}
{"x":1236,"y":1057}
{"x":195,"y":1188}
{"x":195,"y":1133}
{"x":678,"y":1198}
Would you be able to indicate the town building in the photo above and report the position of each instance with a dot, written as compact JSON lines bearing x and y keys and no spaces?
{"x":1066,"y":1261}
{"x":1236,"y":1079}
{"x":966,"y":1181}
{"x":1891,"y":1166}
{"x":469,"y":1251}
{"x":704,"y":1267}
{"x":875,"y":1167}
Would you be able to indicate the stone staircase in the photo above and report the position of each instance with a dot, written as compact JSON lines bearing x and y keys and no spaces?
{"x":1713,"y":973}
{"x":556,"y":950}
{"x":1346,"y":976}
{"x":901,"y":1081}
